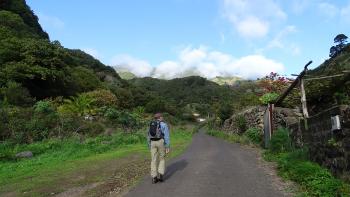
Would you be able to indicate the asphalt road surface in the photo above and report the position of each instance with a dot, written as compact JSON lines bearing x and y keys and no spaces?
{"x":212,"y":167}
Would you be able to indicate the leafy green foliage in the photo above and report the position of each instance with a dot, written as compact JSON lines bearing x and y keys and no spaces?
{"x":20,"y":8}
{"x":15,"y":94}
{"x":280,"y":141}
{"x":254,"y":135}
{"x":323,"y":94}
{"x":314,"y":180}
{"x":269,"y":98}
{"x":294,"y":165}
{"x":225,"y":111}
{"x":234,"y":138}
{"x":241,"y":122}
{"x":340,"y":40}
{"x":80,"y":105}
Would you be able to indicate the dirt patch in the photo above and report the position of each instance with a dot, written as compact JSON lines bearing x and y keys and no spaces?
{"x":98,"y":178}
{"x":121,"y":180}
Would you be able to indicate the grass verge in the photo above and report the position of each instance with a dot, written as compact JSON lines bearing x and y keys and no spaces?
{"x":294,"y":165}
{"x":56,"y":159}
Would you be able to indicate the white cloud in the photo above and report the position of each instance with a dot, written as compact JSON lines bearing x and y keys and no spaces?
{"x":253,"y":18}
{"x":280,"y":42}
{"x":299,"y":6}
{"x":345,"y":13}
{"x":92,"y":52}
{"x":253,"y":27}
{"x":328,"y":10}
{"x":50,"y":21}
{"x":139,"y":67}
{"x":206,"y":63}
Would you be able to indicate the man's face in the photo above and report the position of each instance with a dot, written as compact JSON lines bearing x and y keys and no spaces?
{"x":161,"y":118}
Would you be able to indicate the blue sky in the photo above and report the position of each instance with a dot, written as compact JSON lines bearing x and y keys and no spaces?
{"x":172,"y":38}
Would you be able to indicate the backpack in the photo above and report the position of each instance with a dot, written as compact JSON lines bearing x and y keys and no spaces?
{"x":155,"y":132}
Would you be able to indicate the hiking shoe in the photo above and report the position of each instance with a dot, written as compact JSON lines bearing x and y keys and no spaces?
{"x":160,"y":179}
{"x":154,"y":180}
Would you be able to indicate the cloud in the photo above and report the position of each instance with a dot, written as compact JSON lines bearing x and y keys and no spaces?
{"x":253,"y":27}
{"x":328,"y":10}
{"x":253,"y":18}
{"x":206,"y":63}
{"x":345,"y":13}
{"x":139,"y":67}
{"x":92,"y":52}
{"x":50,"y":21}
{"x":299,"y":6}
{"x":280,"y":42}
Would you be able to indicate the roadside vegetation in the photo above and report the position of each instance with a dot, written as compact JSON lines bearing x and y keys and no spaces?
{"x":55,"y":158}
{"x":292,"y":163}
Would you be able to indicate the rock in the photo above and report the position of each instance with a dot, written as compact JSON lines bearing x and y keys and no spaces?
{"x":24,"y":154}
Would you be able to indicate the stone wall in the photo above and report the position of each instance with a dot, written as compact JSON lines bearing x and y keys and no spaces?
{"x":254,"y":116}
{"x":330,"y":148}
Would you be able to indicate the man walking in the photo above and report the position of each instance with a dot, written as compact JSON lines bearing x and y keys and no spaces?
{"x":158,"y":142}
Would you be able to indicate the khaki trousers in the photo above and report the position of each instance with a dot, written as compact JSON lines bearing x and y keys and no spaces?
{"x":158,"y":157}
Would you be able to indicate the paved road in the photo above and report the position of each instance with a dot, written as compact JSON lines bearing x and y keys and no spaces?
{"x":211,"y":167}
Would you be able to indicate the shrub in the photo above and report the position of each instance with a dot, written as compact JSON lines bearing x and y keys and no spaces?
{"x":102,"y":97}
{"x":268,"y":98}
{"x":241,"y":123}
{"x":154,"y":106}
{"x":225,"y":111}
{"x":15,"y":94}
{"x":111,"y":114}
{"x":254,"y":135}
{"x":280,"y":141}
{"x":91,"y":128}
{"x":80,"y":105}
{"x":43,"y":107}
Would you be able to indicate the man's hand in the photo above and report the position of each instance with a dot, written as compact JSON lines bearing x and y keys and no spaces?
{"x":167,"y":150}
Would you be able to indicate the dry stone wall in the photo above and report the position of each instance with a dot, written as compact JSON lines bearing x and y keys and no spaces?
{"x":254,"y":116}
{"x":330,"y":148}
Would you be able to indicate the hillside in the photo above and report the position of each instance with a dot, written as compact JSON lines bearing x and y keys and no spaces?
{"x":186,"y":90}
{"x":226,"y":80}
{"x":326,"y":92}
{"x":42,"y":67}
{"x":125,"y":74}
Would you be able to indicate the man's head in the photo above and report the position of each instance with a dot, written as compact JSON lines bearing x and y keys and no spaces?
{"x":158,"y":116}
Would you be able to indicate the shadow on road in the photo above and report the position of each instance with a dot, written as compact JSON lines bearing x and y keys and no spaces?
{"x":174,"y":167}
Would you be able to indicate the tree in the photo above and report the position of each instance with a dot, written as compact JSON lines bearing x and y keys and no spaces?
{"x":340,"y":40}
{"x":333,"y":51}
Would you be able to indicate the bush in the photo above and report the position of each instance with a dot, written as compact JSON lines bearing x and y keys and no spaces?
{"x":225,"y":111}
{"x":254,"y":135}
{"x":102,"y":98}
{"x":91,"y":128}
{"x":123,"y":118}
{"x":280,"y":141}
{"x":241,"y":123}
{"x":154,"y":106}
{"x":43,"y":107}
{"x":15,"y":94}
{"x":268,"y":98}
{"x":314,"y":180}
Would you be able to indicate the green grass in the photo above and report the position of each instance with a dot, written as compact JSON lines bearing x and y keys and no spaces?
{"x":295,"y":165}
{"x":233,"y":138}
{"x":53,"y":157}
{"x":313,"y":179}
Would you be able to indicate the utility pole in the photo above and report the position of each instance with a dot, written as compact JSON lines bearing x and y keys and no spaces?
{"x":303,"y":98}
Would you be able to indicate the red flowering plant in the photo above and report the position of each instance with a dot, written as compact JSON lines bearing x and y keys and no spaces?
{"x":272,"y":86}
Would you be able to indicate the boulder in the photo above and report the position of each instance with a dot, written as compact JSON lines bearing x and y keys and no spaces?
{"x":24,"y":154}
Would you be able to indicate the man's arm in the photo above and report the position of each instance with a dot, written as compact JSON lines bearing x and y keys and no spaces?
{"x":166,"y":135}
